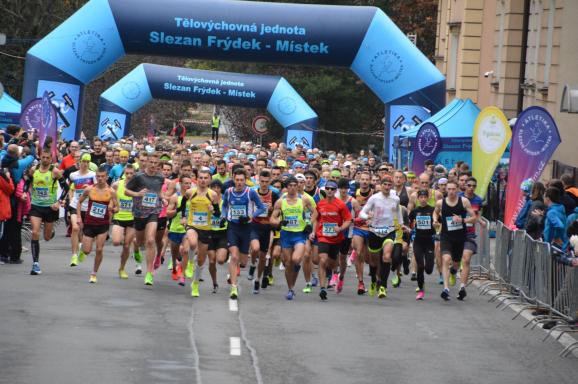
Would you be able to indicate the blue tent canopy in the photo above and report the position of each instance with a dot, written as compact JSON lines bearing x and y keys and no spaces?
{"x":9,"y":110}
{"x":456,"y":119}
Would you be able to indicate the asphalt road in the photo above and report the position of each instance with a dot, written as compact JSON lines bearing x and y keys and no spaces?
{"x":58,"y":328}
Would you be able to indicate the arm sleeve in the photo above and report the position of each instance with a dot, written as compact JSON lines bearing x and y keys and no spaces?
{"x":366,"y":208}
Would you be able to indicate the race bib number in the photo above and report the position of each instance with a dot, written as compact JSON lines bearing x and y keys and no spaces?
{"x":329,"y":229}
{"x":292,"y":221}
{"x":200,"y":218}
{"x":149,"y":200}
{"x":238,"y":211}
{"x":382,"y":231}
{"x":423,"y":222}
{"x":42,"y":193}
{"x":452,"y":225}
{"x":125,"y":205}
{"x":98,"y":210}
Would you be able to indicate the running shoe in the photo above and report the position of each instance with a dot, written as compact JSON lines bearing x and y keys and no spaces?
{"x":215,"y":288}
{"x":170,"y":264}
{"x":74,"y":260}
{"x":307,"y":288}
{"x":149,"y":279}
{"x":440,"y":279}
{"x":182,"y":281}
{"x":189,"y":270}
{"x":452,"y":279}
{"x":256,"y":287}
{"x":281,"y":267}
{"x":372,"y":289}
{"x":395,"y":280}
{"x":382,"y":292}
{"x":228,"y":278}
{"x":323,"y":294}
{"x":334,"y":279}
{"x":234,"y":293}
{"x":251,"y":274}
{"x":81,"y":256}
{"x":445,"y":294}
{"x":122,"y":274}
{"x":157,"y":262}
{"x":175,"y":274}
{"x":195,"y":289}
{"x":138,"y":269}
{"x":264,"y":282}
{"x":137,"y":257}
{"x":314,"y":280}
{"x":92,"y":279}
{"x":462,"y":294}
{"x":413,"y":276}
{"x":361,"y":288}
{"x":290,"y":295}
{"x":339,"y":286}
{"x":420,"y":295}
{"x":36,"y":269}
{"x":271,"y":279}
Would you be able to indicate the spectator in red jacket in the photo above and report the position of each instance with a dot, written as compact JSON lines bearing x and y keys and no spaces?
{"x":6,"y":190}
{"x":179,"y":132}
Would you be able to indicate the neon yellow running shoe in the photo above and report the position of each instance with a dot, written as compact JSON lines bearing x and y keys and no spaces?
{"x":92,"y":279}
{"x":170,"y":264}
{"x":271,"y":280}
{"x":189,"y":270}
{"x":234,"y":293}
{"x":137,"y":257}
{"x":74,"y":260}
{"x":372,"y":289}
{"x":307,"y":288}
{"x":382,"y":293}
{"x":195,"y":289}
{"x":452,"y":279}
{"x":149,"y":279}
{"x":81,"y":256}
{"x":395,"y":280}
{"x":122,"y":274}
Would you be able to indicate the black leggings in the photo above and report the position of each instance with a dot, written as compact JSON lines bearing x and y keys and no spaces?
{"x":423,"y":249}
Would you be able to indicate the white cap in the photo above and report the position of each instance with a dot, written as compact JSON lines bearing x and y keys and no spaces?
{"x":300,"y":177}
{"x":347,"y":164}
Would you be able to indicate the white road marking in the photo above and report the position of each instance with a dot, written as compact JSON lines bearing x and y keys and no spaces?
{"x":196,"y":366}
{"x":233,"y":306}
{"x":235,"y":346}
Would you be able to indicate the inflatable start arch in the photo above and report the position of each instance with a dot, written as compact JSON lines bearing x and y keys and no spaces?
{"x":149,"y":81}
{"x":102,"y":31}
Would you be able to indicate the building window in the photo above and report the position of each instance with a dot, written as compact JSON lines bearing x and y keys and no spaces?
{"x":500,"y":46}
{"x":549,"y":42}
{"x":533,"y":47}
{"x":452,"y":74}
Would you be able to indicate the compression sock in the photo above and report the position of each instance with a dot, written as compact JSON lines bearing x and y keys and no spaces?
{"x":373,"y":273}
{"x":35,"y":250}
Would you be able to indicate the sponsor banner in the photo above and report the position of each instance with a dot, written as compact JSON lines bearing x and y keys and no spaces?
{"x":65,"y":98}
{"x":492,"y":134}
{"x":535,"y":138}
{"x":40,"y":115}
{"x":111,"y":125}
{"x":428,"y":143}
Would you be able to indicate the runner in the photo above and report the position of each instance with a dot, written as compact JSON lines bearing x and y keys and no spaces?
{"x":383,"y":210}
{"x":261,"y":231}
{"x":240,"y":205}
{"x":421,"y":219}
{"x":217,"y":251}
{"x":360,"y":236}
{"x":177,"y":232}
{"x":452,"y":213}
{"x":333,"y":218}
{"x":470,"y":246}
{"x":289,"y":212}
{"x":148,"y":200}
{"x":203,"y":202}
{"x":79,"y":180}
{"x":101,"y":201}
{"x":123,"y":221}
{"x":343,"y":189}
{"x":45,"y":205}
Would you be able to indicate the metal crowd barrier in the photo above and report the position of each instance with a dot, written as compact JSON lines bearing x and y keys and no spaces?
{"x":528,"y":273}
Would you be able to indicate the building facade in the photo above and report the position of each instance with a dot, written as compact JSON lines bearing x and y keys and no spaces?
{"x":512,"y":54}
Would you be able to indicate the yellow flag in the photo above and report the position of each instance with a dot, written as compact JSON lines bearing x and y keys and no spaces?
{"x":492,"y":134}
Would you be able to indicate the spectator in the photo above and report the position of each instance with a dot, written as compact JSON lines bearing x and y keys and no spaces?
{"x":526,"y":188}
{"x":179,"y":132}
{"x":534,"y":224}
{"x":555,"y":219}
{"x":570,"y":187}
{"x":565,"y":198}
{"x":6,"y":191}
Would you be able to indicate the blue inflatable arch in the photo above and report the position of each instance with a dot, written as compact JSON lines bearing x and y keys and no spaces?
{"x":102,"y":31}
{"x":149,"y":81}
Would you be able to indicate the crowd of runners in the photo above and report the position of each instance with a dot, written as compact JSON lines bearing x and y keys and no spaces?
{"x":266,"y":211}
